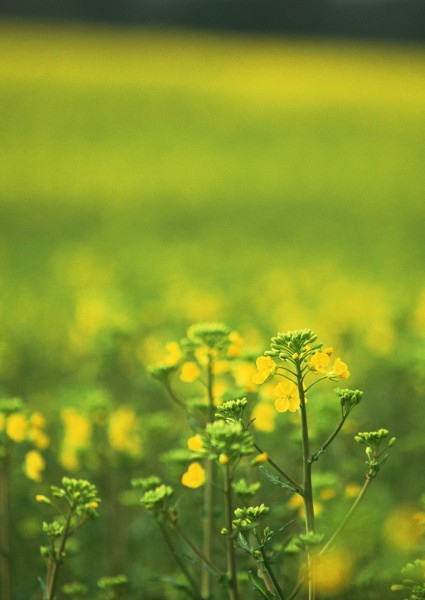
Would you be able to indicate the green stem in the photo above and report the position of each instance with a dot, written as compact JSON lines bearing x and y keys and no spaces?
{"x":52,"y":582}
{"x":275,"y":466}
{"x":307,"y":485}
{"x":178,"y":558}
{"x":231,"y":558}
{"x":195,"y":548}
{"x":4,"y":525}
{"x":174,"y":397}
{"x":330,"y":439}
{"x":270,"y":571}
{"x":347,"y":516}
{"x":210,"y":476}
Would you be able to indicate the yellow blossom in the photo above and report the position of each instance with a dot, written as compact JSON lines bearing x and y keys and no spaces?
{"x":223,"y":459}
{"x":328,"y":351}
{"x":194,"y":443}
{"x":266,"y":368}
{"x":43,"y":499}
{"x":287,"y":396}
{"x":78,"y":428}
{"x":174,"y":355}
{"x":16,"y":427}
{"x":319,"y":362}
{"x":333,"y":572}
{"x":123,"y":431}
{"x":340,"y":369}
{"x":37,"y":420}
{"x":264,"y":416}
{"x":401,"y":527}
{"x":194,"y":477}
{"x":262,"y":458}
{"x":351,"y":490}
{"x":93,"y":504}
{"x":327,"y":494}
{"x":243,"y":373}
{"x":39,"y":438}
{"x":234,"y":349}
{"x":34,"y":465}
{"x":190,"y":372}
{"x":68,"y":458}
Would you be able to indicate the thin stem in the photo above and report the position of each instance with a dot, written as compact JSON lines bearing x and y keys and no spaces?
{"x":174,"y":397}
{"x":330,"y":439}
{"x":275,"y":466}
{"x":270,"y":572}
{"x":51,"y":584}
{"x":347,"y":516}
{"x":231,"y":558}
{"x":210,"y":475}
{"x":307,"y":486}
{"x":178,"y":558}
{"x":296,"y":589}
{"x":195,"y":548}
{"x":4,"y":525}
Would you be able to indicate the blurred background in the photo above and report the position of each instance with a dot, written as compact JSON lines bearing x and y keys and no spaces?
{"x":169,"y":162}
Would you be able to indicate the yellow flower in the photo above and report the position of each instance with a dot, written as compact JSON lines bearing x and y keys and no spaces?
{"x":78,"y":428}
{"x":327,"y":494}
{"x":16,"y":427}
{"x":194,"y":443}
{"x":194,"y":477}
{"x":266,"y":368}
{"x":234,"y":349}
{"x":43,"y":499}
{"x":333,"y":572}
{"x":243,"y":373}
{"x":319,"y":362}
{"x":401,"y":529}
{"x":174,"y":355}
{"x":190,"y":372}
{"x":123,"y":431}
{"x":340,"y":369}
{"x":34,"y":465}
{"x":262,"y":458}
{"x":351,"y":490}
{"x":223,"y":459}
{"x":69,"y":459}
{"x":37,"y":421}
{"x":40,"y":439}
{"x":328,"y":351}
{"x":264,"y":416}
{"x":287,"y":396}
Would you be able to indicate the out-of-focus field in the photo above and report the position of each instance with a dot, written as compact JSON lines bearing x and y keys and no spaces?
{"x":151,"y":179}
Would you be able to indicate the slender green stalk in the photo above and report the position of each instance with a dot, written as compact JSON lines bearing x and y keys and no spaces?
{"x":195,"y":548}
{"x":174,"y":397}
{"x":307,"y":485}
{"x":270,"y":572}
{"x":285,"y":475}
{"x":347,"y":516}
{"x":52,"y":581}
{"x":330,"y":439}
{"x":181,"y":564}
{"x":231,"y":558}
{"x":4,"y":526}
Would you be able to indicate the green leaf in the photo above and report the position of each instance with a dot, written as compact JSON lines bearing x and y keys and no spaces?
{"x":43,"y":588}
{"x":277,"y":480}
{"x":259,"y":586}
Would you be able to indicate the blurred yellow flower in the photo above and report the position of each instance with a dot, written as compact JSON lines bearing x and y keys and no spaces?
{"x":34,"y":465}
{"x":266,"y":368}
{"x":39,"y":438}
{"x":333,"y":572}
{"x":190,"y":372}
{"x":243,"y":373}
{"x":327,"y":494}
{"x":340,"y":369}
{"x":174,"y":355}
{"x":264,"y":415}
{"x":223,"y":459}
{"x":194,"y":443}
{"x":287,"y":396}
{"x":37,"y":421}
{"x":16,"y":427}
{"x":194,"y":477}
{"x":352,"y":489}
{"x":234,"y":349}
{"x":68,"y":458}
{"x":401,"y":529}
{"x":319,"y":362}
{"x":123,"y":431}
{"x":78,"y":428}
